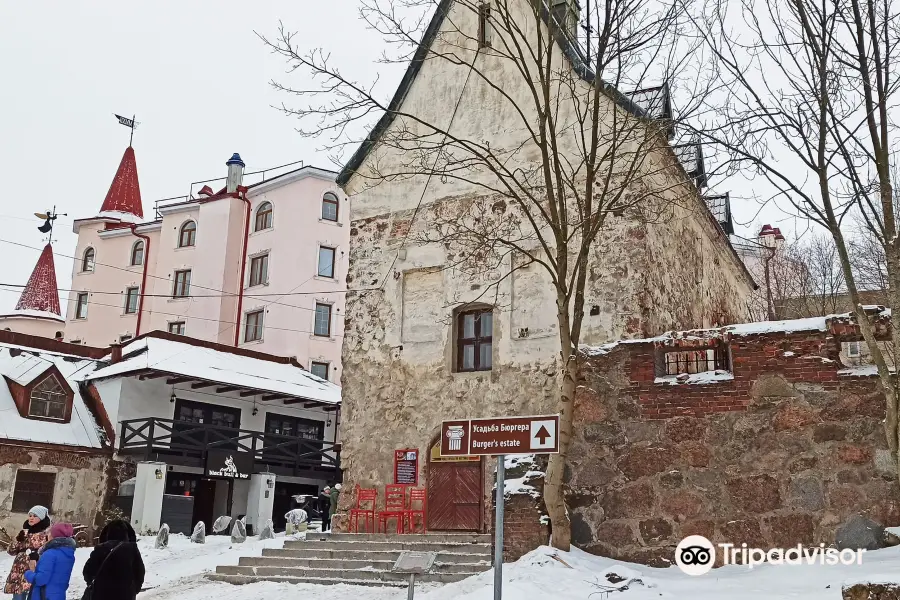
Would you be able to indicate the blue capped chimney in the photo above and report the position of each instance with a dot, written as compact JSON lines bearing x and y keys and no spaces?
{"x":235,"y":173}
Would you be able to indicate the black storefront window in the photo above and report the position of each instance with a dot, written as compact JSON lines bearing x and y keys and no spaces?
{"x":190,"y":415}
{"x":282,"y":430}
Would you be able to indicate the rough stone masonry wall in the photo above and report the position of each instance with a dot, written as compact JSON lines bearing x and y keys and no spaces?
{"x":81,"y":482}
{"x":399,"y":380}
{"x":780,"y":455}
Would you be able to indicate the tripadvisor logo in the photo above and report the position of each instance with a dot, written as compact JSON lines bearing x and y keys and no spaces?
{"x":696,"y":555}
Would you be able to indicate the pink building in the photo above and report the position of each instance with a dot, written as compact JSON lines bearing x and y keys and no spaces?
{"x":257,"y":265}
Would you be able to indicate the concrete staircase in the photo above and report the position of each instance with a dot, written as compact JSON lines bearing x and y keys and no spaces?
{"x":361,"y":559}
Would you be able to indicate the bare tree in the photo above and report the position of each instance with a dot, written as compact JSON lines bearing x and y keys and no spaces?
{"x":579,"y":154}
{"x":810,"y":91}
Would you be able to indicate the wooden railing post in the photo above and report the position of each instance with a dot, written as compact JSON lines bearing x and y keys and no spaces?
{"x":150,"y":440}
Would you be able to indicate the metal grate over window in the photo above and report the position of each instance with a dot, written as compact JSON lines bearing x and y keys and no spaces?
{"x":695,"y":360}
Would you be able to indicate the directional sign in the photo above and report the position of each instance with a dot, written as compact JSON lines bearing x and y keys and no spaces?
{"x":504,"y":435}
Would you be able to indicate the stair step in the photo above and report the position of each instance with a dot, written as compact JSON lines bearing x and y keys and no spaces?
{"x":371,"y":555}
{"x":354,"y":564}
{"x":342,"y":574}
{"x":244,"y":579}
{"x":469,"y":538}
{"x":390,"y":545}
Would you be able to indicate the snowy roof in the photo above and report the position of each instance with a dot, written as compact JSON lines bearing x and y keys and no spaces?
{"x":123,"y":200}
{"x":35,"y":314}
{"x":82,"y":430}
{"x":221,"y":365}
{"x":40,"y":293}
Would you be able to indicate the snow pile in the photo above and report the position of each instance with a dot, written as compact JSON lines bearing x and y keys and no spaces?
{"x":175,"y":573}
{"x":520,"y":485}
{"x":696,"y":378}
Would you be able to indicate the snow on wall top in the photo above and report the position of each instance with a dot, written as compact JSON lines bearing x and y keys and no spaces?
{"x":739,"y":330}
{"x":40,"y":292}
{"x":40,"y":314}
{"x":186,"y":359}
{"x":124,"y":195}
{"x":82,"y":430}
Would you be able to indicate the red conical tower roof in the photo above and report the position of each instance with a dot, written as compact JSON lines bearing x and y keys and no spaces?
{"x":124,"y":195}
{"x":40,"y":292}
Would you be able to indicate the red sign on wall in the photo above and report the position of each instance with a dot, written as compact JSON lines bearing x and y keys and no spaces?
{"x":406,"y":466}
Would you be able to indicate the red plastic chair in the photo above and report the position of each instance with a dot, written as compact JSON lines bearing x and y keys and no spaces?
{"x":416,"y":495}
{"x":394,"y":507}
{"x":363,"y":497}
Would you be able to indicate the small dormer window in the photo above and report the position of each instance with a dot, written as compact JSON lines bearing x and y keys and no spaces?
{"x":48,"y":400}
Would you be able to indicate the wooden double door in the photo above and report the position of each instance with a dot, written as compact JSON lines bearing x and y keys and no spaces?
{"x":455,"y":496}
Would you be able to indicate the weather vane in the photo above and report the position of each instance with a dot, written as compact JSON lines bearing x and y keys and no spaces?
{"x":130,"y":123}
{"x":48,"y":217}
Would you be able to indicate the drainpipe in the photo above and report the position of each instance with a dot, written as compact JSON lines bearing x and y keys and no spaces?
{"x":137,"y":327}
{"x":242,"y":194}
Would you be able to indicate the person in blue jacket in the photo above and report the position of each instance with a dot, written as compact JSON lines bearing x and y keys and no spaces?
{"x":49,"y":578}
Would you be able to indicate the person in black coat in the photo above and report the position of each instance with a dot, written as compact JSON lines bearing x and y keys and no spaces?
{"x":115,"y":567}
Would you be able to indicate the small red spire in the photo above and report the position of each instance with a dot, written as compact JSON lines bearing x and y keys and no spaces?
{"x":40,"y":292}
{"x":124,"y":194}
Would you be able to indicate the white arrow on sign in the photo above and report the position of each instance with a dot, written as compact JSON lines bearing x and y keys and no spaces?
{"x":543,"y":435}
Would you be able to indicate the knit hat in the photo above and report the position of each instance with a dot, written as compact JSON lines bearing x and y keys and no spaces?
{"x":39,"y":511}
{"x":337,"y":486}
{"x":61,"y":530}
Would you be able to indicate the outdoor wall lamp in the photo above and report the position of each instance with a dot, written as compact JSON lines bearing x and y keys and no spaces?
{"x":172,"y":397}
{"x":158,"y":474}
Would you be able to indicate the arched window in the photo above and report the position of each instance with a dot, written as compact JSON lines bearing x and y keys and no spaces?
{"x":137,"y":253}
{"x":188,"y":234}
{"x":330,"y":207}
{"x":48,"y":400}
{"x":87,"y":261}
{"x":263,"y":216}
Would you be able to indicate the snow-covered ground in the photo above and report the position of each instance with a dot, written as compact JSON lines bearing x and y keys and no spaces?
{"x":176,"y":574}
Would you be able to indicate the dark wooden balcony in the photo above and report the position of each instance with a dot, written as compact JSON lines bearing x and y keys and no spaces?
{"x":186,"y":444}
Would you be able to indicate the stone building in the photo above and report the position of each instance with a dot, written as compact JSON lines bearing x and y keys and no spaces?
{"x":408,"y":348}
{"x":754,"y":433}
{"x":55,"y":445}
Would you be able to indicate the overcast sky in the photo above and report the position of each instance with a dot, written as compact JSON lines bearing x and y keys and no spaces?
{"x":193,"y":72}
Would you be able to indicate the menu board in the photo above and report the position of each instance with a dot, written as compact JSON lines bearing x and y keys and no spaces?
{"x":406,"y":466}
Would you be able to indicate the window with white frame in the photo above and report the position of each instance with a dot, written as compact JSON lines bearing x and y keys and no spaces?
{"x":137,"y":253}
{"x":182,"y":284}
{"x":187,"y":235}
{"x":319,"y":369}
{"x":253,"y":326}
{"x":81,"y":305}
{"x":326,"y":262}
{"x":259,"y":270}
{"x":330,"y":207}
{"x":131,"y":300}
{"x":87,"y":261}
{"x":322,"y":326}
{"x":263,"y":217}
{"x":48,"y":400}
{"x":854,"y":349}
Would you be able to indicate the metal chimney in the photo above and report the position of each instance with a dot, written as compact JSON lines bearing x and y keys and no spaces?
{"x":235,"y":173}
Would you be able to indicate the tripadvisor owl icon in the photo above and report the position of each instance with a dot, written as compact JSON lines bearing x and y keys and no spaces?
{"x":695,"y":555}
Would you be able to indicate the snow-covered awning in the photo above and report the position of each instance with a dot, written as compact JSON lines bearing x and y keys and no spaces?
{"x":181,"y":360}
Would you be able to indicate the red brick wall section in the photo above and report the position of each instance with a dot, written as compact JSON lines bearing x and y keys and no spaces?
{"x":782,"y":454}
{"x":523,"y":529}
